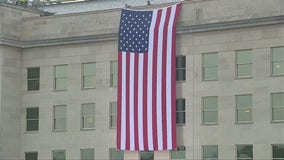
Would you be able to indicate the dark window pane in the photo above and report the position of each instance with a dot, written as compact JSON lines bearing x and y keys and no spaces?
{"x":33,"y":85}
{"x":31,"y":156}
{"x":87,"y":154}
{"x":116,"y":154}
{"x":59,"y":155}
{"x":180,"y":104}
{"x":32,"y":125}
{"x":210,"y":151}
{"x":278,"y":151}
{"x":33,"y":73}
{"x":180,"y":117}
{"x":180,"y":61}
{"x":245,"y":151}
{"x":32,"y":113}
{"x":147,"y":155}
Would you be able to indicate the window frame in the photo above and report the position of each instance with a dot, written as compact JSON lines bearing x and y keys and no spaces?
{"x":181,"y":68}
{"x":112,"y":73}
{"x":52,"y":153}
{"x":271,"y":110}
{"x":91,"y":75}
{"x":184,"y":112}
{"x":237,"y":109}
{"x":31,"y":152}
{"x":82,"y":118}
{"x":56,"y":78}
{"x":146,"y":151}
{"x":203,"y":67}
{"x":35,"y":79}
{"x":54,"y":120}
{"x":32,"y":119}
{"x":202,"y":111}
{"x":202,"y":152}
{"x":81,"y":158}
{"x":237,"y":64}
{"x":271,"y":62}
{"x":114,"y":149}
{"x":111,"y":115}
{"x":236,"y":151}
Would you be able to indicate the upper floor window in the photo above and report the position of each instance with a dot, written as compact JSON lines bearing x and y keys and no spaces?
{"x":87,"y":154}
{"x":60,"y":80}
{"x":243,"y":108}
{"x":88,"y":116}
{"x":277,"y":63}
{"x":277,"y":107}
{"x":58,"y":155}
{"x":210,"y":66}
{"x":89,"y":75}
{"x":115,"y":154}
{"x":59,"y":118}
{"x":244,"y":63}
{"x":113,"y":73}
{"x":180,"y":68}
{"x":278,"y":151}
{"x":112,"y":114}
{"x":178,"y":154}
{"x":209,"y":152}
{"x":32,"y":117}
{"x":244,"y":152}
{"x":180,"y":111}
{"x":33,"y":76}
{"x":31,"y":156}
{"x":210,"y":110}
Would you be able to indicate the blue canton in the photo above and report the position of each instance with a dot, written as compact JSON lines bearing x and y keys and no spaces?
{"x":134,"y":31}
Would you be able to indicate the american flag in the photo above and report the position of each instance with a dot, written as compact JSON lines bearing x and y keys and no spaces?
{"x":146,"y":79}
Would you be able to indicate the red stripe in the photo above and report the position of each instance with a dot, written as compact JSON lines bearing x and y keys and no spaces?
{"x":136,"y":66}
{"x":154,"y":85}
{"x":145,"y":107}
{"x":127,"y":102}
{"x":118,"y":139}
{"x":174,"y":77}
{"x":164,"y":77}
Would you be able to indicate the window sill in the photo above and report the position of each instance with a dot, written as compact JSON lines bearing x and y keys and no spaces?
{"x":247,"y":122}
{"x":244,"y":77}
{"x":31,"y":132}
{"x":88,"y":129}
{"x":277,"y":75}
{"x":63,"y":90}
{"x":59,"y":131}
{"x":209,"y":124}
{"x":180,"y":81}
{"x":112,"y":128}
{"x":36,"y":91}
{"x":180,"y":125}
{"x":277,"y":121}
{"x":213,"y":80}
{"x":82,"y":88}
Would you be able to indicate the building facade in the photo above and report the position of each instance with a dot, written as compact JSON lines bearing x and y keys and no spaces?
{"x":58,"y":83}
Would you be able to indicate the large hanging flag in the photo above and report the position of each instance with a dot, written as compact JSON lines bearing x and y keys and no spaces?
{"x":146,"y":79}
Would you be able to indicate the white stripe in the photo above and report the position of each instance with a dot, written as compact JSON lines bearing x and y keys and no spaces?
{"x":123,"y":101}
{"x":159,"y":80}
{"x":149,"y":82}
{"x":169,"y":78}
{"x":140,"y":101}
{"x":131,"y":101}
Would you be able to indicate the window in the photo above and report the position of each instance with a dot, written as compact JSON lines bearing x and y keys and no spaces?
{"x":58,"y":155}
{"x":210,"y":66}
{"x":178,"y":154}
{"x":278,"y":151}
{"x":243,"y":108}
{"x":32,"y":116}
{"x":33,"y":76}
{"x":113,"y":73}
{"x":89,"y":75}
{"x":31,"y":156}
{"x":146,"y":155}
{"x":112,"y":114}
{"x":277,"y":107}
{"x":277,"y":61}
{"x":115,"y":154}
{"x":59,"y":121}
{"x":87,"y":154}
{"x":180,"y":68}
{"x":210,"y":152}
{"x":180,"y":111}
{"x":88,"y":116}
{"x":244,"y":152}
{"x":244,"y":63}
{"x":210,"y":110}
{"x":60,"y":81}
